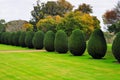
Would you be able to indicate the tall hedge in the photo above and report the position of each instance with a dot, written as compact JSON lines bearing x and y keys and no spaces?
{"x":22,"y":39}
{"x":28,"y":39}
{"x":77,"y":43}
{"x":116,"y":47}
{"x":97,"y":44}
{"x":38,"y":40}
{"x":61,"y":42}
{"x":49,"y":41}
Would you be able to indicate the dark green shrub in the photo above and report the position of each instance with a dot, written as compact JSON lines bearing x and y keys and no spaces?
{"x":2,"y":37}
{"x":77,"y":44}
{"x":28,"y":39}
{"x":49,"y":41}
{"x":61,"y":42}
{"x":7,"y":37}
{"x":116,"y":47}
{"x":22,"y":39}
{"x":16,"y":38}
{"x":38,"y":40}
{"x":12,"y":37}
{"x":97,"y":44}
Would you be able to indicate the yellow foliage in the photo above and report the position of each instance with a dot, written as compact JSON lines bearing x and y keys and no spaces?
{"x":27,"y":26}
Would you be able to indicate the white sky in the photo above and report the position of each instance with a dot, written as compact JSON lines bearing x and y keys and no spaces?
{"x":20,"y":9}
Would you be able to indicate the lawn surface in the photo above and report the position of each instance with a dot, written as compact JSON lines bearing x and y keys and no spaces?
{"x":53,"y":66}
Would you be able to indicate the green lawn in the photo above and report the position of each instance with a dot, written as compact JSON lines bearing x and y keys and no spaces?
{"x":53,"y":66}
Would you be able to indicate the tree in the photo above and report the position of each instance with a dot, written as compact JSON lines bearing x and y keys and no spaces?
{"x":49,"y":41}
{"x":116,"y":47}
{"x":77,"y":43}
{"x":97,"y":44}
{"x":38,"y":40}
{"x":47,"y":24}
{"x":85,"y":8}
{"x":52,"y":8}
{"x":111,"y":17}
{"x":61,"y":42}
{"x":2,"y":25}
{"x":115,"y":27}
{"x":79,"y":20}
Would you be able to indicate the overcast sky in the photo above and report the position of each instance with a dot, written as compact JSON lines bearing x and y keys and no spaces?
{"x":20,"y":9}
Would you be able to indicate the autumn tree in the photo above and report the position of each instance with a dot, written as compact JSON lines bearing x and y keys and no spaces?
{"x":41,"y":10}
{"x":111,"y":18}
{"x":79,"y":20}
{"x":85,"y":8}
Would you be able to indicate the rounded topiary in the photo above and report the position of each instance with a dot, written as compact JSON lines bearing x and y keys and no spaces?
{"x":49,"y":41}
{"x":116,"y":47}
{"x":38,"y":40}
{"x":10,"y":38}
{"x":16,"y":38}
{"x":22,"y":39}
{"x":61,"y":42}
{"x":77,"y":43}
{"x":2,"y":37}
{"x":28,"y":39}
{"x":97,"y":44}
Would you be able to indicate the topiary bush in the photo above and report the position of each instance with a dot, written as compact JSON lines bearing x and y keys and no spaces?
{"x":49,"y":41}
{"x":28,"y":39}
{"x":116,"y":47}
{"x":12,"y":38}
{"x":22,"y":39}
{"x":61,"y":42}
{"x":97,"y":44}
{"x":16,"y":38}
{"x":77,"y":43}
{"x":38,"y":40}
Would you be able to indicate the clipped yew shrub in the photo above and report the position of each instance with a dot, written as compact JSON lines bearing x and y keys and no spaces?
{"x":22,"y":39}
{"x":10,"y":38}
{"x":16,"y":38}
{"x":97,"y":44}
{"x":77,"y":43}
{"x":49,"y":41}
{"x":116,"y":47}
{"x":28,"y":39}
{"x":38,"y":40}
{"x":61,"y":42}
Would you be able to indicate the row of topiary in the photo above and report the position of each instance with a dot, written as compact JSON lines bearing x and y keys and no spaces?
{"x":60,"y":43}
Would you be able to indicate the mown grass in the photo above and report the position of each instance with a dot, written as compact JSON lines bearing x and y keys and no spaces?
{"x":54,"y":66}
{"x":9,"y":47}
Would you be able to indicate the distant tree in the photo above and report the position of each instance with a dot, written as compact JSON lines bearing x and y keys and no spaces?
{"x":85,"y":8}
{"x":52,"y":8}
{"x":47,"y":24}
{"x":2,"y":25}
{"x":114,"y":28}
{"x":79,"y":20}
{"x":111,"y":18}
